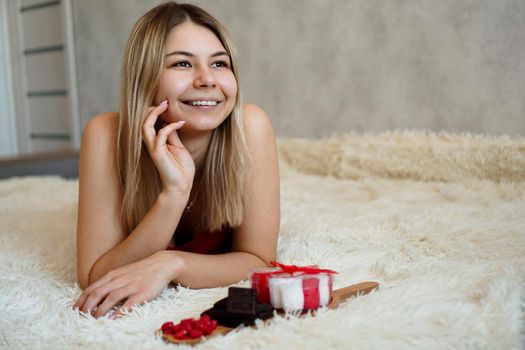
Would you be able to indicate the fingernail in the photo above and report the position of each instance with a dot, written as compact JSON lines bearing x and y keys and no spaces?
{"x":163,"y":102}
{"x":181,"y":122}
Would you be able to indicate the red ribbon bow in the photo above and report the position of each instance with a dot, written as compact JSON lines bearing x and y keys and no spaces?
{"x":291,"y":269}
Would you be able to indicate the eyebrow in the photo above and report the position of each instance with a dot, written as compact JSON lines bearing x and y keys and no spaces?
{"x":189,"y":54}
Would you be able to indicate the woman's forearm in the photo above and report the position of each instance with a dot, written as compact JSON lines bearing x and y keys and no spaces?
{"x":209,"y":271}
{"x":151,"y":235}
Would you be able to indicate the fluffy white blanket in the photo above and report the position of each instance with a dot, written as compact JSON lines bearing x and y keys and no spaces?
{"x":437,"y":219}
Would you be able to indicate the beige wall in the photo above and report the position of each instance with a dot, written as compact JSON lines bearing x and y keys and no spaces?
{"x":320,"y":67}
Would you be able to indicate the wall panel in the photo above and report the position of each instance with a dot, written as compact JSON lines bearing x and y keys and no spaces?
{"x":332,"y":66}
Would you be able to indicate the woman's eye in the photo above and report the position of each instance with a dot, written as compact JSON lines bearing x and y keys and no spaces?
{"x":184,"y":64}
{"x":220,"y":64}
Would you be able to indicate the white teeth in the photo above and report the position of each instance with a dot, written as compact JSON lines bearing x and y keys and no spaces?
{"x":203,"y":103}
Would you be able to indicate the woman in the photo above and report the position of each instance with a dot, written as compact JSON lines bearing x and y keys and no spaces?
{"x":182,"y":185}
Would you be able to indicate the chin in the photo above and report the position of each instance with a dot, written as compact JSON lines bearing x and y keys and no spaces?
{"x":202,"y":124}
{"x":208,"y":126}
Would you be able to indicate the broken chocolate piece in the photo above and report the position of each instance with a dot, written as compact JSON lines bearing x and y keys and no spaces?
{"x":236,"y":322}
{"x":241,"y":307}
{"x":221,"y":304}
{"x":261,"y":307}
{"x":265,"y":315}
{"x":244,"y":293}
{"x":218,"y":314}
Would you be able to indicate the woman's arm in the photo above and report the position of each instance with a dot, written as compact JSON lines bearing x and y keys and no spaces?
{"x":210,"y":271}
{"x":255,"y":240}
{"x":102,"y":244}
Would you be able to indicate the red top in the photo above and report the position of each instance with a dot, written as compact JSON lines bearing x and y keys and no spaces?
{"x":216,"y":242}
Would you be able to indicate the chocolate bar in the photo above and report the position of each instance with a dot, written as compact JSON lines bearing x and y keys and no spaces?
{"x":229,"y":320}
{"x":241,"y":302}
{"x":240,"y":307}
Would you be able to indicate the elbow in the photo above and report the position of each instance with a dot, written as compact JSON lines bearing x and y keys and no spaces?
{"x":268,"y":257}
{"x":264,"y":258}
{"x":84,"y":278}
{"x":83,"y":285}
{"x":87,"y":274}
{"x":83,"y":281}
{"x":82,"y":275}
{"x":264,"y":261}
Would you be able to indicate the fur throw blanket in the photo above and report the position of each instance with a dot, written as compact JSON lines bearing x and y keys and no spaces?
{"x":437,"y":219}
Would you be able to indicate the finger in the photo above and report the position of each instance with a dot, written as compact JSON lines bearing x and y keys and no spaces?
{"x":162,"y":137}
{"x":82,"y":299}
{"x":111,"y":300}
{"x":120,"y":312}
{"x":117,"y":314}
{"x":173,"y":138}
{"x":99,"y":294}
{"x":148,"y":127}
{"x":128,"y":305}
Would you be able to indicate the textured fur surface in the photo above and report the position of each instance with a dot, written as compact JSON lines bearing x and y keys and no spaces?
{"x":437,"y":219}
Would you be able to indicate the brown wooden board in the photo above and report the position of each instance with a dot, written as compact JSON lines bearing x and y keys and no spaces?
{"x":338,"y":297}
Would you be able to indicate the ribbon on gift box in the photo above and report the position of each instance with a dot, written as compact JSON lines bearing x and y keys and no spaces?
{"x":291,"y":269}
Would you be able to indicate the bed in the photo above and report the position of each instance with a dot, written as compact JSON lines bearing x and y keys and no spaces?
{"x":438,"y":219}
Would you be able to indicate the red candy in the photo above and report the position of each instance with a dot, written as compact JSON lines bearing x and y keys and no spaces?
{"x":195,"y":333}
{"x":166,"y":326}
{"x":180,"y":334}
{"x":186,"y":325}
{"x":171,"y":331}
{"x":190,"y":328}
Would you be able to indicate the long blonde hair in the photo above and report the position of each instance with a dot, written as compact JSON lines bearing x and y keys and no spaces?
{"x":223,"y":180}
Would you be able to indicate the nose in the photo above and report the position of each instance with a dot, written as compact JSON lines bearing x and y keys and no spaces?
{"x":204,"y":77}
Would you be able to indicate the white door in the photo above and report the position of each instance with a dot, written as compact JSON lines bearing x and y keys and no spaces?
{"x":8,"y":139}
{"x":43,"y":75}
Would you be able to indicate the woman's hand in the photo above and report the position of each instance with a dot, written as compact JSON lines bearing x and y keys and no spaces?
{"x":173,"y":161}
{"x":135,"y":283}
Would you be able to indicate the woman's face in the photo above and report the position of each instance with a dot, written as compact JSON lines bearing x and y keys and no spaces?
{"x":196,"y":79}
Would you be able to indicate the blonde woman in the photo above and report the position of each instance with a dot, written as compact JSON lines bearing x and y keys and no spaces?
{"x":182,"y":185}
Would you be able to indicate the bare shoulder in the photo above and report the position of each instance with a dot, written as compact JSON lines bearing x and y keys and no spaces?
{"x":257,"y":124}
{"x":102,"y":127}
{"x":260,"y":138}
{"x":98,"y":148}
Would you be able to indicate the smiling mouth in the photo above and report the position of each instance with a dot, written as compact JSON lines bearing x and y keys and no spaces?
{"x":202,"y":103}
